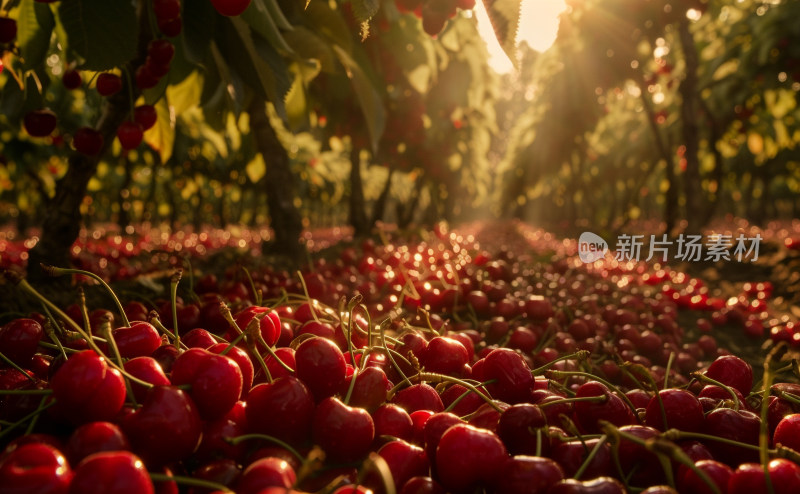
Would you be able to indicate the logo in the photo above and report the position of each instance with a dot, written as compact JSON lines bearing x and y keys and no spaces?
{"x":591,"y":247}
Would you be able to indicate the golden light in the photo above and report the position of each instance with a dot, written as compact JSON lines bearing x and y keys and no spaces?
{"x":538,"y":27}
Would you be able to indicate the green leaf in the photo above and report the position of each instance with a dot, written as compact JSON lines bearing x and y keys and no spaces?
{"x":276,"y":13}
{"x":311,"y":47}
{"x":34,"y":29}
{"x":103,"y":33}
{"x":260,"y":20}
{"x":161,"y":137}
{"x":504,"y":16}
{"x":320,"y":18}
{"x":368,"y":96}
{"x":199,"y":26}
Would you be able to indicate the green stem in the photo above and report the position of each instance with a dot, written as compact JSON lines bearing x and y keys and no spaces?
{"x":623,"y":396}
{"x":704,"y":378}
{"x":190,"y":481}
{"x":579,"y":355}
{"x":590,"y":457}
{"x":24,"y":419}
{"x":173,"y":298}
{"x":54,"y":271}
{"x":17,"y":367}
{"x":246,"y":437}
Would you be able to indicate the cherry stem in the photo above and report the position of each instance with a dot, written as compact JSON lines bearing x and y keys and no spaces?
{"x":763,"y":435}
{"x":256,"y":293}
{"x":579,"y":355}
{"x":396,"y":366}
{"x":54,"y":271}
{"x":87,"y":324}
{"x":192,"y":481}
{"x":704,"y":378}
{"x":40,"y":409}
{"x":623,"y":396}
{"x":591,"y":399}
{"x":155,"y":320}
{"x":641,"y":370}
{"x":232,"y":344}
{"x":309,"y":300}
{"x":35,"y":418}
{"x":590,"y":457}
{"x":246,"y":437}
{"x":17,"y":367}
{"x":105,"y":328}
{"x":433,"y":377}
{"x":462,"y":396}
{"x":670,"y":361}
{"x":173,"y":299}
{"x":46,"y":391}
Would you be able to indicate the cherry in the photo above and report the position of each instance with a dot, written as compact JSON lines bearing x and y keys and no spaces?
{"x":108,"y":84}
{"x":612,"y":409}
{"x":147,"y":369}
{"x":344,"y":433}
{"x":511,"y":375}
{"x":88,"y":141}
{"x":166,"y":10}
{"x":571,"y":454}
{"x":71,"y":79}
{"x":418,"y":397}
{"x":167,"y":427}
{"x":145,"y":78}
{"x":216,"y":433}
{"x":404,"y":460}
{"x":269,"y":323}
{"x":19,"y":340}
{"x":266,"y":472}
{"x":215,"y":380}
{"x":466,"y":404}
{"x":94,"y":437}
{"x":435,"y":427}
{"x":528,"y":475}
{"x":733,"y":371}
{"x":161,"y":52}
{"x":321,"y":366}
{"x":137,"y":340}
{"x":242,"y":360}
{"x":146,"y":116}
{"x":370,"y":388}
{"x":749,"y":478}
{"x":636,"y":460}
{"x":276,"y":370}
{"x":392,"y":421}
{"x":198,"y":338}
{"x":39,"y":123}
{"x":422,"y":485}
{"x":8,"y":30}
{"x":87,"y":389}
{"x":130,"y":135}
{"x":682,"y":410}
{"x":230,"y":7}
{"x":111,"y":472}
{"x":599,"y":485}
{"x":224,"y":471}
{"x":691,"y":483}
{"x":35,"y":467}
{"x":488,"y":415}
{"x":283,"y":409}
{"x":787,"y":432}
{"x":517,"y":428}
{"x":742,"y":426}
{"x":445,"y":356}
{"x":467,"y":457}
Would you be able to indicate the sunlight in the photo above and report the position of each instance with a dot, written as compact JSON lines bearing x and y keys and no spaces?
{"x":538,"y":27}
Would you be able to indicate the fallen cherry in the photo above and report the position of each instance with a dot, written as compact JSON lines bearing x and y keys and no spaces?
{"x":35,"y":467}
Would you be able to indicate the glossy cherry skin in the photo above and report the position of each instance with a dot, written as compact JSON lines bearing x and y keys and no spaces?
{"x":86,"y":389}
{"x":276,"y":370}
{"x":344,"y":433}
{"x":636,"y":460}
{"x":467,"y":457}
{"x":517,"y":429}
{"x":19,"y":339}
{"x":570,"y":455}
{"x":215,"y":380}
{"x":391,"y":420}
{"x":321,"y":366}
{"x":691,"y":483}
{"x":283,"y":409}
{"x":422,"y":485}
{"x":467,"y":403}
{"x":95,"y":437}
{"x":370,"y":389}
{"x":147,"y":369}
{"x":242,"y":360}
{"x":404,"y":460}
{"x":742,"y":426}
{"x":733,"y":371}
{"x":137,"y":340}
{"x":419,"y":397}
{"x":512,"y":376}
{"x":167,"y":427}
{"x":269,"y":323}
{"x":266,"y":472}
{"x":589,"y":414}
{"x":111,"y":472}
{"x":682,"y":409}
{"x":198,"y":338}
{"x":599,"y":485}
{"x":787,"y":433}
{"x":35,"y":467}
{"x":528,"y":475}
{"x":445,"y":355}
{"x":748,"y":478}
{"x":435,"y":427}
{"x":223,"y":471}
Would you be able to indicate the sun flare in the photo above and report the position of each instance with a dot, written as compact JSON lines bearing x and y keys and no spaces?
{"x":538,"y":26}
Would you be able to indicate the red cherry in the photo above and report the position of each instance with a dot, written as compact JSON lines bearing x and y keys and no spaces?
{"x":130,"y":135}
{"x":242,"y":360}
{"x":691,"y":483}
{"x":71,"y":79}
{"x":467,"y":457}
{"x":422,"y":485}
{"x":88,"y":141}
{"x":512,"y":377}
{"x":145,"y":78}
{"x":733,"y":371}
{"x":145,"y":115}
{"x":419,"y":397}
{"x":111,"y":472}
{"x":198,"y":338}
{"x":321,"y":366}
{"x":742,"y":426}
{"x":170,"y":28}
{"x":283,"y":409}
{"x":166,"y":428}
{"x":517,"y":428}
{"x":570,"y":455}
{"x":167,"y":10}
{"x":787,"y":433}
{"x":681,"y":408}
{"x":528,"y":475}
{"x":435,"y":427}
{"x":87,"y":389}
{"x":445,"y":355}
{"x":276,"y":370}
{"x":269,"y":324}
{"x":392,"y":421}
{"x":161,"y":51}
{"x":215,"y":380}
{"x":147,"y":369}
{"x":749,"y":478}
{"x":40,"y":123}
{"x":599,"y":485}
{"x":230,"y":8}
{"x":108,"y":84}
{"x":404,"y":460}
{"x":370,"y":388}
{"x":345,"y":433}
{"x":35,"y":467}
{"x":264,"y":473}
{"x":8,"y":30}
{"x":613,"y":409}
{"x":95,"y":437}
{"x":137,"y":340}
{"x":19,"y":340}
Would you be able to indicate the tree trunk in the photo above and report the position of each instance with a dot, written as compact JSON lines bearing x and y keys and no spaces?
{"x":690,"y":129}
{"x":358,"y":213}
{"x":285,"y":220}
{"x":380,"y":205}
{"x":123,"y":197}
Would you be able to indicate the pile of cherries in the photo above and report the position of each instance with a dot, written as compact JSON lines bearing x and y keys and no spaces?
{"x":426,"y":366}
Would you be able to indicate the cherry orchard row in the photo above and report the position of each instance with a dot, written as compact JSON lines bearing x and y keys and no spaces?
{"x":414,"y":366}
